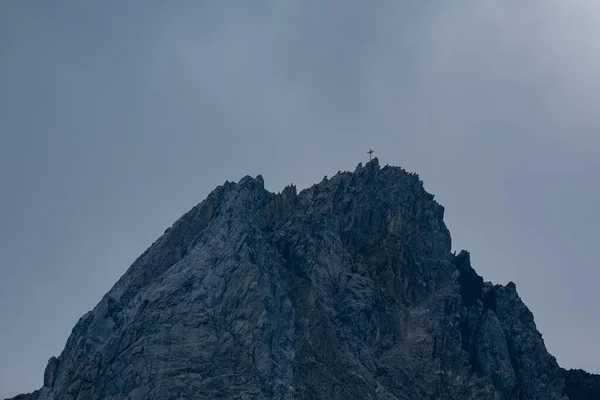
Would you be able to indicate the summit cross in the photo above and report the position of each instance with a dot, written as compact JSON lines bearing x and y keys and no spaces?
{"x":370,"y":153}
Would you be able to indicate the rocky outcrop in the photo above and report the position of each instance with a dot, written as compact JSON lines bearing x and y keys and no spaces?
{"x":580,"y":385}
{"x":346,"y":290}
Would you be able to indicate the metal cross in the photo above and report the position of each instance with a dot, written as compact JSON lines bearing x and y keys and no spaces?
{"x":370,"y":152}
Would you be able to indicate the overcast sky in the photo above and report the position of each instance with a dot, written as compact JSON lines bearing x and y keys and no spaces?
{"x":117,"y":117}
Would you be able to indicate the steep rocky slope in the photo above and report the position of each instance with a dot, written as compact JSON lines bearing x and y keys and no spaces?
{"x":580,"y":385}
{"x":346,"y":290}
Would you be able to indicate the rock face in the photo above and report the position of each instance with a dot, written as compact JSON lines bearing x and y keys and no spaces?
{"x":346,"y":290}
{"x":580,"y":385}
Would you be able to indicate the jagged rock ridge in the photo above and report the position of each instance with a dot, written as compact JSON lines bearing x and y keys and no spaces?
{"x":346,"y":290}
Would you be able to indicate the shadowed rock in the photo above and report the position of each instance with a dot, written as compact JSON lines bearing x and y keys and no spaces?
{"x":580,"y":385}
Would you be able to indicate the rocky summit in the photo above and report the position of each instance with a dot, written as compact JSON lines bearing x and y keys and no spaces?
{"x":346,"y":290}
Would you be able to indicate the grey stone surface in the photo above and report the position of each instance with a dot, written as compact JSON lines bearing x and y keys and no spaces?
{"x":346,"y":290}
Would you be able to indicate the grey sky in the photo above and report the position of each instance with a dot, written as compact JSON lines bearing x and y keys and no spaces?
{"x":117,"y":117}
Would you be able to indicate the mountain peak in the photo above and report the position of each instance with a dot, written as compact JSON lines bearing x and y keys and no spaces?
{"x":370,"y":165}
{"x":248,"y":181}
{"x":345,"y":290}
